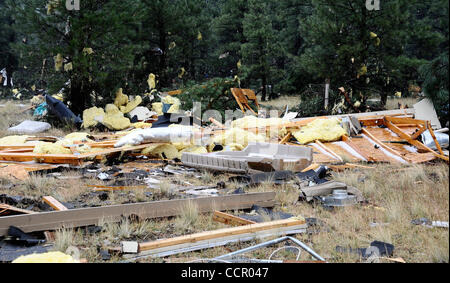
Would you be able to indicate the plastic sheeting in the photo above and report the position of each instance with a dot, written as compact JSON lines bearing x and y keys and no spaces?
{"x":443,"y":140}
{"x":60,"y":110}
{"x":30,"y":127}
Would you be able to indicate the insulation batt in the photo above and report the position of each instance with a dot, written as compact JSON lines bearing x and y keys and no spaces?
{"x":52,"y":257}
{"x":157,"y":135}
{"x":324,"y":130}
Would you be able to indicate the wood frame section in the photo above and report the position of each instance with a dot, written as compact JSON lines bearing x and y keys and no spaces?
{"x":73,"y":218}
{"x":221,"y":233}
{"x":324,"y":147}
{"x":392,"y":151}
{"x":390,"y":123}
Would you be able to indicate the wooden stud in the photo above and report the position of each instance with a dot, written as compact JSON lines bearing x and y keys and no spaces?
{"x":54,"y":203}
{"x":209,"y":235}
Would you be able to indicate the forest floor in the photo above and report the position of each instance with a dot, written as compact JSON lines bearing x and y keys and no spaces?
{"x":397,"y":195}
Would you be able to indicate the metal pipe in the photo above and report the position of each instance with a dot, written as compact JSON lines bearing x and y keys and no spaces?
{"x":252,"y":248}
{"x":306,"y":248}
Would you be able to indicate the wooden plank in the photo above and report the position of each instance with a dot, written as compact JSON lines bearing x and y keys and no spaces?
{"x":209,"y":235}
{"x":324,"y":147}
{"x":358,"y":150}
{"x":438,"y":146}
{"x":394,"y":152}
{"x":54,"y":203}
{"x":229,"y":219}
{"x":421,"y":130}
{"x":94,"y":216}
{"x":201,"y":245}
{"x":286,"y":138}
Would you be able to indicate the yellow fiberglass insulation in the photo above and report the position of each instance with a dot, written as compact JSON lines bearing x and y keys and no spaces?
{"x":324,"y":130}
{"x":163,"y":151}
{"x":237,"y":136}
{"x":51,"y":257}
{"x":121,"y":98}
{"x":114,"y":119}
{"x":131,"y":105}
{"x":12,"y":140}
{"x":141,"y":125}
{"x":158,"y":108}
{"x":59,"y":60}
{"x":273,"y":125}
{"x":175,"y":102}
{"x":50,"y":148}
{"x":195,"y":149}
{"x":90,"y":115}
{"x":76,"y":137}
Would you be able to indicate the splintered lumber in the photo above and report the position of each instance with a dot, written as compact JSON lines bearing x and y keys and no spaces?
{"x":229,"y":219}
{"x":6,"y":209}
{"x":222,"y":233}
{"x":54,"y":203}
{"x":73,"y":218}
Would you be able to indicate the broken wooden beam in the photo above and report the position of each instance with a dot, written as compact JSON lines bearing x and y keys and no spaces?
{"x":229,"y":219}
{"x":54,"y":203}
{"x":94,"y":216}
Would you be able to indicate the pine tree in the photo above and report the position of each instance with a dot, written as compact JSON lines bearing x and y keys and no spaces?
{"x":360,"y":50}
{"x":89,"y":48}
{"x":257,"y":52}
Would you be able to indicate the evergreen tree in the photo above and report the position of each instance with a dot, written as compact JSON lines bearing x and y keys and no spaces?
{"x":360,"y":50}
{"x":229,"y":29}
{"x":90,"y":48}
{"x":257,"y":52}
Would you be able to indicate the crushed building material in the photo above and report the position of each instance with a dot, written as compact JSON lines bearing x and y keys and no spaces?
{"x":256,"y":156}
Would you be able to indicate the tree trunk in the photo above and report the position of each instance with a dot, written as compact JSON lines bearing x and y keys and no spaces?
{"x":162,"y":58}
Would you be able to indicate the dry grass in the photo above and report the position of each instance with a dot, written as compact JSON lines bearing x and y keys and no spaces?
{"x":283,"y":101}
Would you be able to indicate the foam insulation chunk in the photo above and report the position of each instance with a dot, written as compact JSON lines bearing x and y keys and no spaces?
{"x":91,"y":117}
{"x":158,"y":108}
{"x":131,"y":105}
{"x":272,"y":125}
{"x":50,"y":148}
{"x":121,"y":98}
{"x":163,"y":151}
{"x":324,"y":130}
{"x":59,"y":62}
{"x":114,"y":119}
{"x":12,"y":140}
{"x":151,"y":81}
{"x":141,"y":125}
{"x":77,"y":137}
{"x":237,"y":136}
{"x":51,"y":257}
